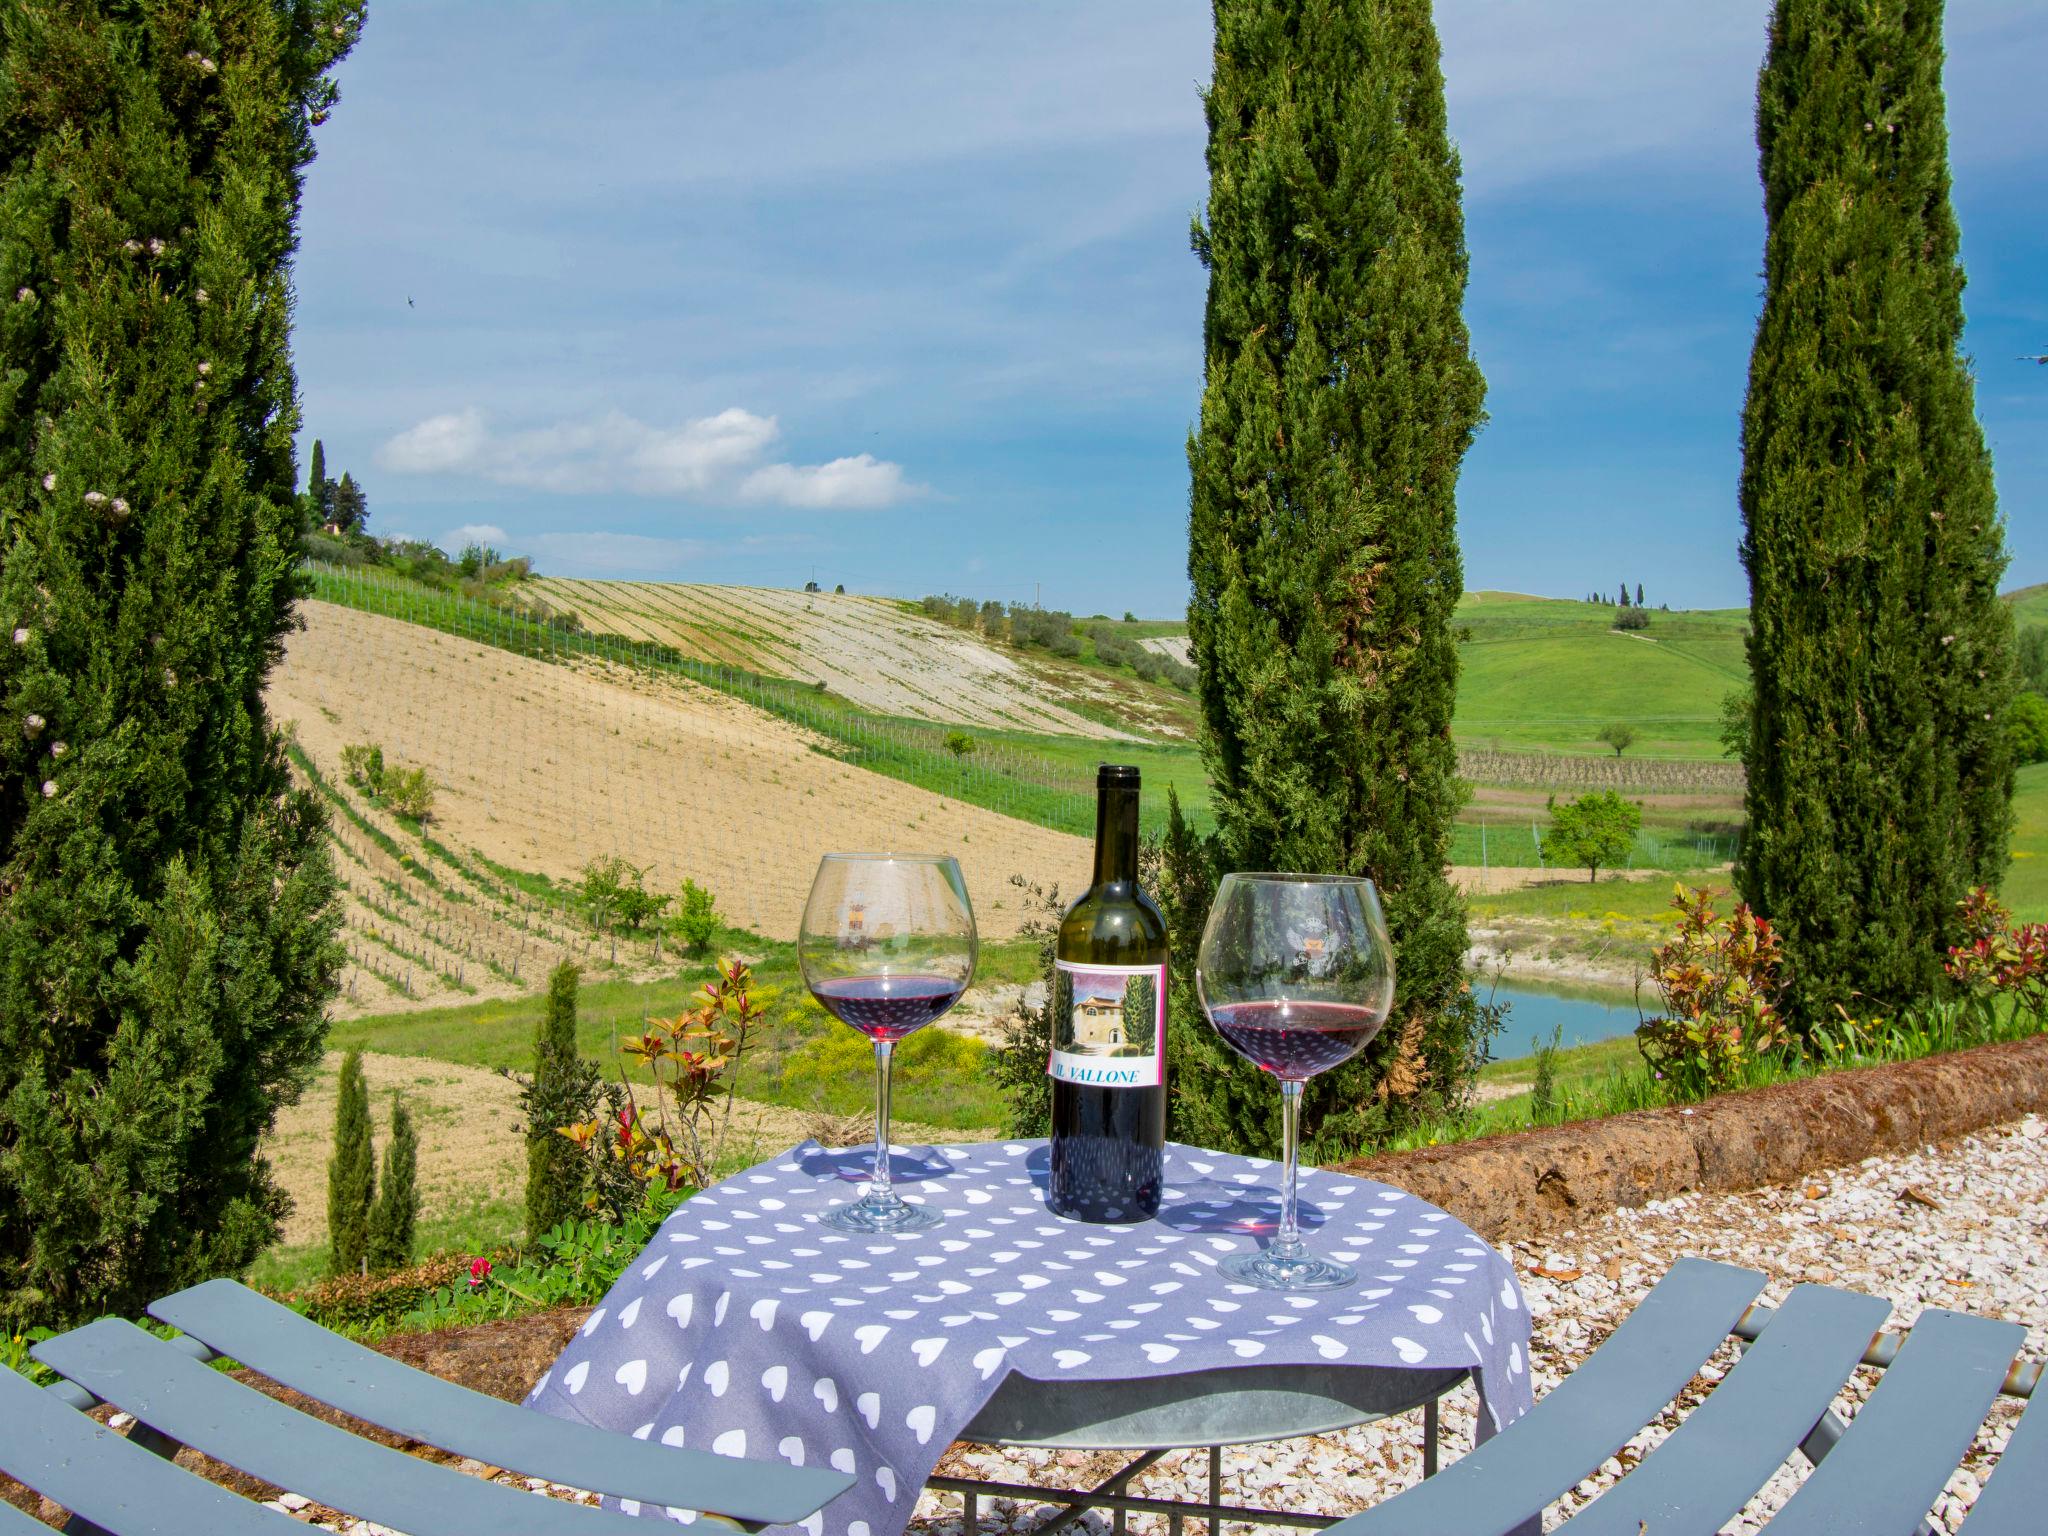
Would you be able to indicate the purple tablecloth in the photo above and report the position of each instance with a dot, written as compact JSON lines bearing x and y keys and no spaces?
{"x":748,"y":1328}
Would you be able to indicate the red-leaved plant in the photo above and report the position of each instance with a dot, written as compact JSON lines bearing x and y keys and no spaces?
{"x":1719,"y":980}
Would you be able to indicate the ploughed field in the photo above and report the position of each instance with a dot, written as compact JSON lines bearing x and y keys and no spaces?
{"x":542,"y":767}
{"x":875,"y":652}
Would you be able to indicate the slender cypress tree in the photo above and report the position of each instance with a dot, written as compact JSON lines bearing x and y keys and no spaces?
{"x":319,"y":489}
{"x":167,"y":907}
{"x":351,"y":1171}
{"x":1340,"y":396}
{"x":1880,"y":775}
{"x":397,"y":1212}
{"x":563,"y":1091}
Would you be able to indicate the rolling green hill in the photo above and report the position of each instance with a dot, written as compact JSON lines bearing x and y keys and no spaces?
{"x":1545,"y":674}
{"x":2030,"y":604}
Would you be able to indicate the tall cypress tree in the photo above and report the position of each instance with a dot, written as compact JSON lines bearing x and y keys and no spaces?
{"x":351,"y":1171}
{"x":397,"y":1212}
{"x":1339,"y":400}
{"x":1880,"y":776}
{"x":167,"y":908}
{"x":563,"y":1091}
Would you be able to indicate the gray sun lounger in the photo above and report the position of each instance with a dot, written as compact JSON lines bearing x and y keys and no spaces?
{"x":117,"y":1486}
{"x":1879,"y":1474}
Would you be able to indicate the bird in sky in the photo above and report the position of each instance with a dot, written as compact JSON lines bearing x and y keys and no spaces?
{"x":408,"y":301}
{"x":2042,"y":359}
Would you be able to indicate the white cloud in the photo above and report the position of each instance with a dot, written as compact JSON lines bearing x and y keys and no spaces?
{"x":708,"y":457}
{"x":862,"y":482}
{"x":456,"y":540}
{"x":436,"y":445}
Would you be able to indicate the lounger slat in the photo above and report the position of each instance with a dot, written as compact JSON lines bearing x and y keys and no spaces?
{"x":210,"y":1411}
{"x":1584,"y":1419}
{"x":1903,"y":1446}
{"x":2014,"y":1499}
{"x":94,"y":1472}
{"x":276,"y":1342}
{"x":1729,"y":1445}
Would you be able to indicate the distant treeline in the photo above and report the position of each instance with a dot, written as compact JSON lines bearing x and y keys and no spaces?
{"x":1059,"y":633}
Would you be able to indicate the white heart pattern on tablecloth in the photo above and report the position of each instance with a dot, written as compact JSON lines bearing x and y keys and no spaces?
{"x":1015,"y":1290}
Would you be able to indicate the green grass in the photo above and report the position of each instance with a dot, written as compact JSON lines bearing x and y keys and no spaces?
{"x":1543,"y":674}
{"x":2026,"y":880}
{"x":789,"y":1066}
{"x":1577,"y":900}
{"x":487,"y":1226}
{"x":2029,"y":604}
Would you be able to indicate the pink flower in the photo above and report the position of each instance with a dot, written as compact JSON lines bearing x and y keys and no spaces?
{"x":479,"y":1273}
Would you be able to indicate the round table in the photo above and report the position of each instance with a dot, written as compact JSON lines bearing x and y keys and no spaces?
{"x":751,"y":1328}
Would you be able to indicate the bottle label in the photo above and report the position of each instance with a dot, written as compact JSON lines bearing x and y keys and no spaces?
{"x":1108,"y":1025}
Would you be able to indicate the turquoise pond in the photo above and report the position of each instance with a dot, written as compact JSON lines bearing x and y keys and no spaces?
{"x":1582,"y":1018}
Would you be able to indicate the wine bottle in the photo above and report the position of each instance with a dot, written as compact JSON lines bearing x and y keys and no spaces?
{"x":1108,"y":1064}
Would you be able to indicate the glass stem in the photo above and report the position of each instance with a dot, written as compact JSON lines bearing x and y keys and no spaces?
{"x":1287,"y":1242}
{"x":879,"y":1191}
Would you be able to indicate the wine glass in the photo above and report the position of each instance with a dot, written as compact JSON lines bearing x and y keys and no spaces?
{"x":887,"y":946}
{"x":1297,"y":974}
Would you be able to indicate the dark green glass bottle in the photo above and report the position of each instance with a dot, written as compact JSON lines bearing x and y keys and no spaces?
{"x":1108,"y":1061}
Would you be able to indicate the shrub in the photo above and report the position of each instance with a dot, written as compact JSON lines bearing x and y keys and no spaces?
{"x":1720,"y":983}
{"x":410,"y":793}
{"x":357,"y":1303}
{"x":1544,"y":1105}
{"x":397,"y":1211}
{"x":959,"y":743}
{"x":1632,"y":618}
{"x":363,"y":766}
{"x":1999,"y":958}
{"x":351,"y":1172}
{"x":1593,"y":832}
{"x":2026,"y":723}
{"x":697,"y":922}
{"x":693,"y":1060}
{"x":614,"y":893}
{"x":563,"y":1091}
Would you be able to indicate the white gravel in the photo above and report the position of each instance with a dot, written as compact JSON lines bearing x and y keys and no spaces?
{"x":1982,"y":1247}
{"x":1972,"y":1236}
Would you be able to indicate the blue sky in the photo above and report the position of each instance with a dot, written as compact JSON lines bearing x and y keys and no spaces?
{"x":901,"y":294}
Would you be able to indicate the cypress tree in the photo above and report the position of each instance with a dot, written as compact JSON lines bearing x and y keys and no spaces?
{"x":397,"y":1210}
{"x":351,"y":1171}
{"x":563,"y":1091}
{"x":1879,"y":772}
{"x":1340,"y":396}
{"x":167,"y":908}
{"x":319,"y":490}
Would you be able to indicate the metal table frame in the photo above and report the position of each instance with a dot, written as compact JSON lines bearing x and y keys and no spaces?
{"x":1155,"y":1416}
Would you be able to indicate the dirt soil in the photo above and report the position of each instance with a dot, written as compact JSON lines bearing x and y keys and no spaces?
{"x":545,"y":767}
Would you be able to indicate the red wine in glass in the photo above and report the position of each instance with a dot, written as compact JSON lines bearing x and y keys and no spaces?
{"x":1297,"y":974}
{"x":887,"y":1007}
{"x":1296,"y":1040}
{"x":886,"y":945}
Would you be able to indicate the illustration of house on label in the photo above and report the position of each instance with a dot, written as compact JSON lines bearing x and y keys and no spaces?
{"x":1098,"y":1015}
